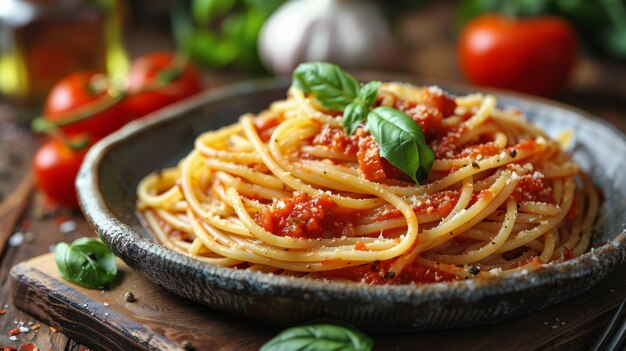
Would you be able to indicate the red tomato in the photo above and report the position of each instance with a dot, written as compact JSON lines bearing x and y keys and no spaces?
{"x":55,"y":166}
{"x":534,"y":55}
{"x":145,"y":71}
{"x":80,"y":90}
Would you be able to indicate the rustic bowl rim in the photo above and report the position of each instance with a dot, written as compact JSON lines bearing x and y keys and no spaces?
{"x":109,"y":227}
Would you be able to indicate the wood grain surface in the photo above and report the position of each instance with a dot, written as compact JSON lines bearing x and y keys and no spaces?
{"x":157,"y":320}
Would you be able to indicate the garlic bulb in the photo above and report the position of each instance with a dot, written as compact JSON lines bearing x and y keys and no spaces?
{"x":350,"y":33}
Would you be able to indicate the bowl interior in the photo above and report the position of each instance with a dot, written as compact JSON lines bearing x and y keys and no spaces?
{"x":596,"y":146}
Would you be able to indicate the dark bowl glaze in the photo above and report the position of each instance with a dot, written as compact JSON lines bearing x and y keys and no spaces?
{"x":113,"y":168}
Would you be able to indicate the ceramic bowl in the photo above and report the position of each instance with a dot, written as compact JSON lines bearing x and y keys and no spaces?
{"x":113,"y":167}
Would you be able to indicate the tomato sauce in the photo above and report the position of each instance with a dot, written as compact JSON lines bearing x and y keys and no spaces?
{"x":533,"y":187}
{"x":441,"y":203}
{"x":370,"y":160}
{"x":437,"y":98}
{"x":304,"y":216}
{"x":337,"y":140}
{"x":485,"y":149}
{"x":265,"y":126}
{"x":574,"y":211}
{"x":377,"y":273}
{"x":566,"y":255}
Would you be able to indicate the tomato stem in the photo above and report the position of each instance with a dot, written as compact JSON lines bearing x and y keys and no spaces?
{"x":41,"y":124}
{"x":75,"y":144}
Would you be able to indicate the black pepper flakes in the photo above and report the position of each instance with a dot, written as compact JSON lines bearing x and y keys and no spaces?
{"x":475,"y":165}
{"x":374,"y":266}
{"x":513,"y":153}
{"x":390,"y":275}
{"x":129,"y":297}
{"x":186,"y":344}
{"x":473,"y":270}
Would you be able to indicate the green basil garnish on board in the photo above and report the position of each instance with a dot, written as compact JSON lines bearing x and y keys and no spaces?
{"x":87,"y":262}
{"x":333,"y":87}
{"x":400,"y":139}
{"x":319,"y":337}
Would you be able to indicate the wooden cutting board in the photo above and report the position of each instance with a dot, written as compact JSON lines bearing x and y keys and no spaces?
{"x":158,"y":320}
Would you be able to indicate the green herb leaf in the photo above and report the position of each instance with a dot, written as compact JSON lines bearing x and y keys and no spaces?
{"x":427,"y":159}
{"x":398,"y":137}
{"x":87,"y":262}
{"x":369,"y":91}
{"x":353,"y":115}
{"x":320,"y":337}
{"x":356,"y":112}
{"x":333,"y":87}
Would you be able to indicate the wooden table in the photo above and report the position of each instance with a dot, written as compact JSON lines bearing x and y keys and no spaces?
{"x":597,"y":86}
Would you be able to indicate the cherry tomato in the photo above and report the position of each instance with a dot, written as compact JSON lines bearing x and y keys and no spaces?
{"x":55,"y":166}
{"x":534,"y":55}
{"x":148,"y":70}
{"x":81,"y":90}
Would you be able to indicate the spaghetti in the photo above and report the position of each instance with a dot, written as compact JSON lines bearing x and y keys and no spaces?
{"x":289,"y":192}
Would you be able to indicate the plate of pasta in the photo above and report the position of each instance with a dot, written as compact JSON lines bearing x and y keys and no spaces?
{"x":389,"y":205}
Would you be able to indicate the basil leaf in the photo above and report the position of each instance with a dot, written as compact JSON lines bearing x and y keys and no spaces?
{"x":333,"y":87}
{"x":320,"y":337}
{"x":87,"y":262}
{"x":398,"y":136}
{"x":353,"y":115}
{"x":427,"y":159}
{"x":357,"y":111}
{"x":369,"y":91}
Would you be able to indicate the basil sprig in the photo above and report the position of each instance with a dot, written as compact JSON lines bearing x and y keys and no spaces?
{"x":356,"y":112}
{"x":319,"y":337}
{"x":87,"y":262}
{"x":400,"y":139}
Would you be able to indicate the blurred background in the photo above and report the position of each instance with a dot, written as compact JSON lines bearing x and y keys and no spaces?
{"x":43,"y":40}
{"x":76,"y":70}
